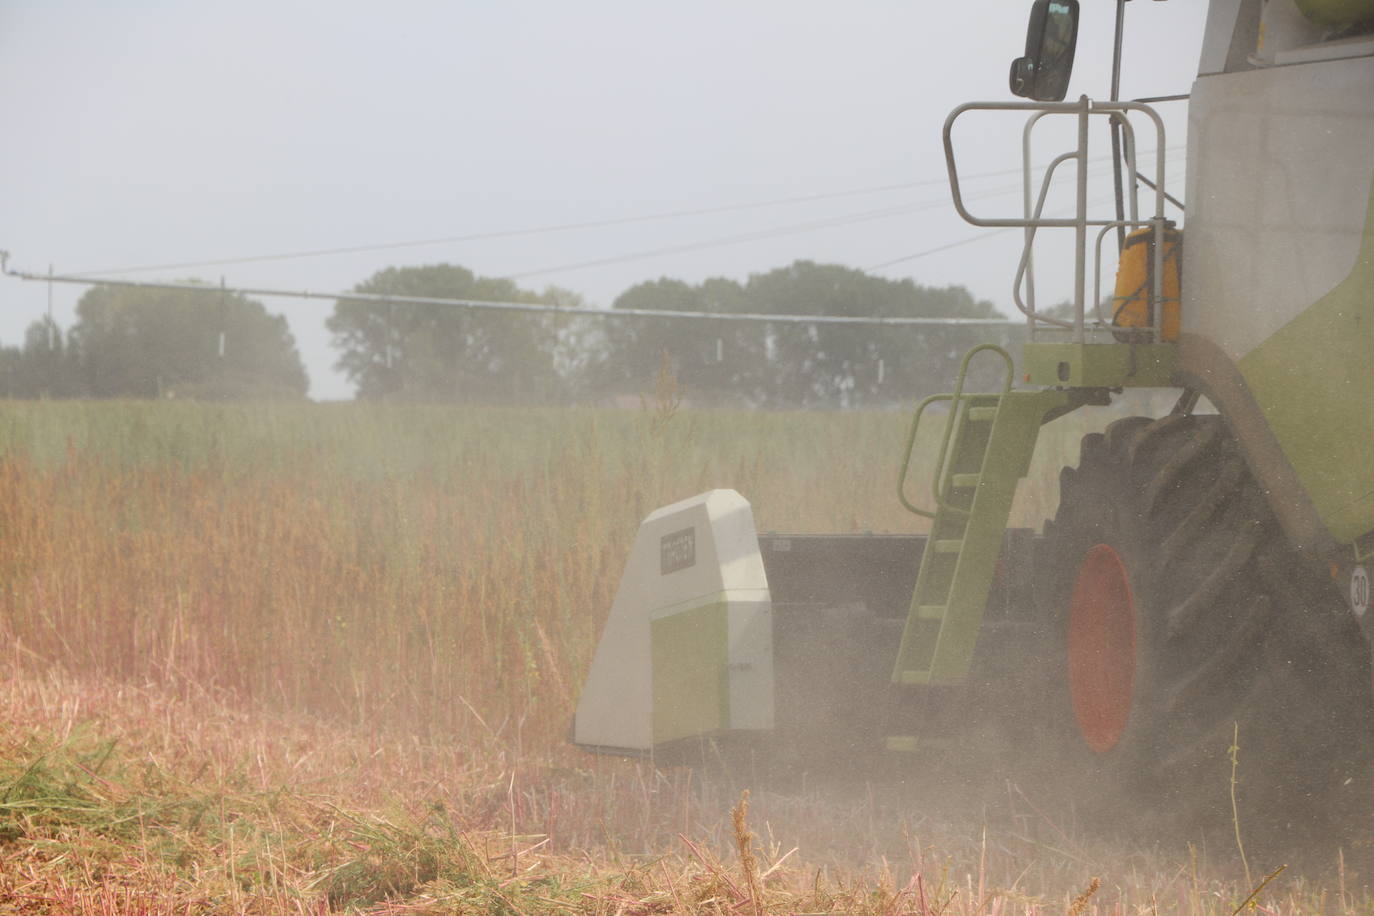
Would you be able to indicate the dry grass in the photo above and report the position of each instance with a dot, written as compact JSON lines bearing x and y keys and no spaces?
{"x":122,"y":799}
{"x":441,"y":572}
{"x":312,"y":658}
{"x":435,"y":571}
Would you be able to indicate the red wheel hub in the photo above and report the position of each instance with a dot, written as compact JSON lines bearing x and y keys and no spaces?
{"x":1102,"y":648}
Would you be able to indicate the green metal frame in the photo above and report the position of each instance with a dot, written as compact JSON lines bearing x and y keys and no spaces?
{"x":985,"y":449}
{"x":943,"y":454}
{"x":1100,"y":365}
{"x":989,"y":437}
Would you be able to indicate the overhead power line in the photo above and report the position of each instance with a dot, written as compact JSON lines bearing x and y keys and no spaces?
{"x":477,"y":304}
{"x":529,"y":230}
{"x":964,"y":241}
{"x":938,"y":248}
{"x":776,"y":232}
{"x":544,"y":229}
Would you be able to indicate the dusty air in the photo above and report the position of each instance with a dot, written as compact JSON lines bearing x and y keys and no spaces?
{"x":693,"y":491}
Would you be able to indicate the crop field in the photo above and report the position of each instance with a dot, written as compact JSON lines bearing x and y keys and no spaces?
{"x":301,"y":658}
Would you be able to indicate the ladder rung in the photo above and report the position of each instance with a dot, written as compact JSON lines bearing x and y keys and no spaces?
{"x":930,"y":612}
{"x":982,"y":414}
{"x":909,"y":744}
{"x":913,"y":677}
{"x":965,"y":481}
{"x":949,"y":545}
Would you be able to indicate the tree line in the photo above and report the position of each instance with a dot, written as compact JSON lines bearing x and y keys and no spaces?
{"x":130,"y":342}
{"x":142,"y":343}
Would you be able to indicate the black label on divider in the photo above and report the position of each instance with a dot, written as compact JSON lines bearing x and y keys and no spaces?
{"x":678,"y":550}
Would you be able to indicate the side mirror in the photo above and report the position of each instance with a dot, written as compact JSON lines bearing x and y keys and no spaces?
{"x":1043,"y":74}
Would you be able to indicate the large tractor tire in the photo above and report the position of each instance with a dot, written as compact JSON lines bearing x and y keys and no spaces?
{"x":1181,"y":617}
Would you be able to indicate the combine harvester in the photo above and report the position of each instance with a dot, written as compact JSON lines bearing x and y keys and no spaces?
{"x":1206,"y":572}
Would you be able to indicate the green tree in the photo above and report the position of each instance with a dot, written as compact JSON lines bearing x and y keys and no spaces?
{"x":43,"y":367}
{"x":855,"y":365}
{"x":433,"y":352}
{"x":787,"y":364}
{"x":143,"y":343}
{"x":713,"y":361}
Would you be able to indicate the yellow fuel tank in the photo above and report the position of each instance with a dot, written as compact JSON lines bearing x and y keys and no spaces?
{"x":1131,"y":306}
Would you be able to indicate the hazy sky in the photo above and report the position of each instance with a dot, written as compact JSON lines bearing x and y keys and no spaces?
{"x":146,"y":133}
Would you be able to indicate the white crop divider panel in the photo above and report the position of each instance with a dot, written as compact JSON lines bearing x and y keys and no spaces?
{"x":688,"y":647}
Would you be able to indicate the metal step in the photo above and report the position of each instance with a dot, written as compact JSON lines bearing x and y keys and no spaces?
{"x":981,"y":414}
{"x":910,"y":744}
{"x":946,"y":612}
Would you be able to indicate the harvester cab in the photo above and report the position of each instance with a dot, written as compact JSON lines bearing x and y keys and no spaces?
{"x":1205,"y":573}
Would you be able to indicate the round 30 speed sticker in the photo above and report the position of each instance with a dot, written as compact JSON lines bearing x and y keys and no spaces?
{"x":1359,"y":591}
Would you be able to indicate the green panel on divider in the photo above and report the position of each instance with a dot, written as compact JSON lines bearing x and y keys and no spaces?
{"x":690,"y":653}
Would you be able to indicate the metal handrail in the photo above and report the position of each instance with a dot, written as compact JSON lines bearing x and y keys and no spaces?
{"x":1083,"y":107}
{"x":1023,"y":267}
{"x":1033,"y":218}
{"x":942,"y":457}
{"x":910,"y":448}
